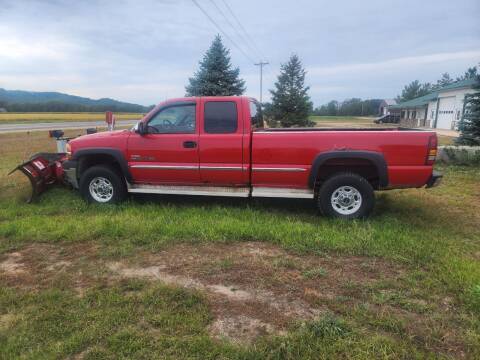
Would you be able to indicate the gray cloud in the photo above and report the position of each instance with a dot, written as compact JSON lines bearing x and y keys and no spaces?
{"x":144,"y":51}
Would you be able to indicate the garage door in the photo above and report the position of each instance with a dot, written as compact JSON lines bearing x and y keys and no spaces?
{"x":446,"y":113}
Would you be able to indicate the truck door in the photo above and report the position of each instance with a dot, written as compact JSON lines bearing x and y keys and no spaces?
{"x":221,"y":142}
{"x":168,"y":153}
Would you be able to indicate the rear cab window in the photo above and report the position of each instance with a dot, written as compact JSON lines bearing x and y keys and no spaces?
{"x":220,"y":117}
{"x":256,"y":115}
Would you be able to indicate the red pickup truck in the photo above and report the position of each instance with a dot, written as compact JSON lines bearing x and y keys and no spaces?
{"x":218,"y":146}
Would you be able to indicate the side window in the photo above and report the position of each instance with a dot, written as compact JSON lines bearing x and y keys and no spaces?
{"x":176,"y":119}
{"x":220,"y":117}
{"x":256,"y":115}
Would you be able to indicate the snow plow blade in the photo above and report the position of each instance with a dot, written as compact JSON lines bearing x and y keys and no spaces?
{"x":43,"y":169}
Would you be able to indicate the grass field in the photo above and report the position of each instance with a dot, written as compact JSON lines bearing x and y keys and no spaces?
{"x":185,"y":277}
{"x":344,"y":121}
{"x":61,"y":117}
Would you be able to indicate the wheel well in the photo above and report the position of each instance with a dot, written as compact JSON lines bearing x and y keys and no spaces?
{"x":363,"y":167}
{"x":86,"y":162}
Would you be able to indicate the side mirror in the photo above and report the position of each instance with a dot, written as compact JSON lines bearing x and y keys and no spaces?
{"x":141,"y":128}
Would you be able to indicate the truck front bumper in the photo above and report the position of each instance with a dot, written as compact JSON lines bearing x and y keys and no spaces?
{"x":434,"y":180}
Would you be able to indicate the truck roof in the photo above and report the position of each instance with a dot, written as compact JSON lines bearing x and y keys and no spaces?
{"x":186,"y":98}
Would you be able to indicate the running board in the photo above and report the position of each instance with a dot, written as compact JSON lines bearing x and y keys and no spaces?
{"x":190,"y":190}
{"x":221,"y":191}
{"x":282,"y":193}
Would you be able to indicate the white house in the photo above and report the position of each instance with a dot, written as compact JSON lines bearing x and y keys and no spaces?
{"x":442,"y":109}
{"x":384,"y":105}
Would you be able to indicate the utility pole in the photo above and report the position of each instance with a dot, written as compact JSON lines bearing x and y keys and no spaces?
{"x":261,"y":64}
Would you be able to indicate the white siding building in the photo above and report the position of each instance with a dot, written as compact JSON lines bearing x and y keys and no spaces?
{"x":384,"y":106}
{"x":442,"y":109}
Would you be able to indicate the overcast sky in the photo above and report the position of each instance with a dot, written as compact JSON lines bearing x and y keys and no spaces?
{"x":144,"y":51}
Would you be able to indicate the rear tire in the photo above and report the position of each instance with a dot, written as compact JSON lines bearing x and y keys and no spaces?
{"x":346,"y":196}
{"x":103,"y":185}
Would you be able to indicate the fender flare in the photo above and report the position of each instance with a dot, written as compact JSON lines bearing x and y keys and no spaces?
{"x":114,"y":153}
{"x":375,"y":157}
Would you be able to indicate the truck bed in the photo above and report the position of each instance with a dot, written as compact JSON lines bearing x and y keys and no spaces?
{"x":404,"y":151}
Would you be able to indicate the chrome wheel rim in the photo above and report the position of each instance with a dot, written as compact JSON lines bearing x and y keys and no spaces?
{"x":346,"y":200}
{"x":101,"y":189}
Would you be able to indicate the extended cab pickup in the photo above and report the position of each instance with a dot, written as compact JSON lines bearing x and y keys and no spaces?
{"x":218,"y":146}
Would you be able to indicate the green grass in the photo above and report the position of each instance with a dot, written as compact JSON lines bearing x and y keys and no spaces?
{"x":314,"y":273}
{"x":434,"y":233}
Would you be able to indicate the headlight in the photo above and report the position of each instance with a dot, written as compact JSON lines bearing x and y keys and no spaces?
{"x":69,"y":150}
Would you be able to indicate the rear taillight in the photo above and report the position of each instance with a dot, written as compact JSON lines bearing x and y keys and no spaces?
{"x":432,"y":150}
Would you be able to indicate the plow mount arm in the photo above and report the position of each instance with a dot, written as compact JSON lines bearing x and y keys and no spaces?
{"x":43,"y":169}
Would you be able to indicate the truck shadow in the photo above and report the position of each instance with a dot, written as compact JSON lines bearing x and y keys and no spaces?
{"x":292,"y":206}
{"x":386,"y":207}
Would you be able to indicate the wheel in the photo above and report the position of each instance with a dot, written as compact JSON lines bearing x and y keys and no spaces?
{"x":102,"y":184}
{"x":346,"y":196}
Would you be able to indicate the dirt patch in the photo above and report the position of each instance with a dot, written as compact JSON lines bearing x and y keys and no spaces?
{"x":39,"y":266}
{"x":153,"y":273}
{"x":13,"y":264}
{"x":238,"y":328}
{"x":255,"y":288}
{"x":7,"y":320}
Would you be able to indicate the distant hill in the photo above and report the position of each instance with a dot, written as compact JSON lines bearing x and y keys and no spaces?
{"x":29,"y":101}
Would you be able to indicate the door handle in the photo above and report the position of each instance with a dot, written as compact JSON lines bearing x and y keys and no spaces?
{"x":189,"y":144}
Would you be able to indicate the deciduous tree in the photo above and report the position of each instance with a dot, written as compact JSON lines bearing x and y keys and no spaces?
{"x":413,"y":90}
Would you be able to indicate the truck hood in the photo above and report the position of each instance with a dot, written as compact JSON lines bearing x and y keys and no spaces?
{"x":114,"y":139}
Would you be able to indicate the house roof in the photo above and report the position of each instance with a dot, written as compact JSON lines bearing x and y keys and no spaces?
{"x":459,"y":84}
{"x":417,"y":102}
{"x":424,"y":100}
{"x":390,"y":101}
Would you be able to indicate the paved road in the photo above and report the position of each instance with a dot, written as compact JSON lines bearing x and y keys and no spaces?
{"x":24,"y":127}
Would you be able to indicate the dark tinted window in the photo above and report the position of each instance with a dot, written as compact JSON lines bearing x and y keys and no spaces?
{"x":220,"y":117}
{"x":256,"y":115}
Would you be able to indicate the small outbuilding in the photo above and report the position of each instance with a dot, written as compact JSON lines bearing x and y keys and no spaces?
{"x":383,"y":109}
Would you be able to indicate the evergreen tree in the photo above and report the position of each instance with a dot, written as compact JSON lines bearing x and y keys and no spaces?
{"x":471,"y":73}
{"x":470,"y":126}
{"x":216,"y":76}
{"x":291,"y":104}
{"x":444,"y":81}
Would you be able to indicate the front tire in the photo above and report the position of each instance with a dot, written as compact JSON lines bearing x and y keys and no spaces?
{"x":346,"y":196}
{"x":102,"y":184}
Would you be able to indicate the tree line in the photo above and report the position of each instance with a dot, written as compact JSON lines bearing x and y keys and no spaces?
{"x":60,"y":106}
{"x":349,"y":107}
